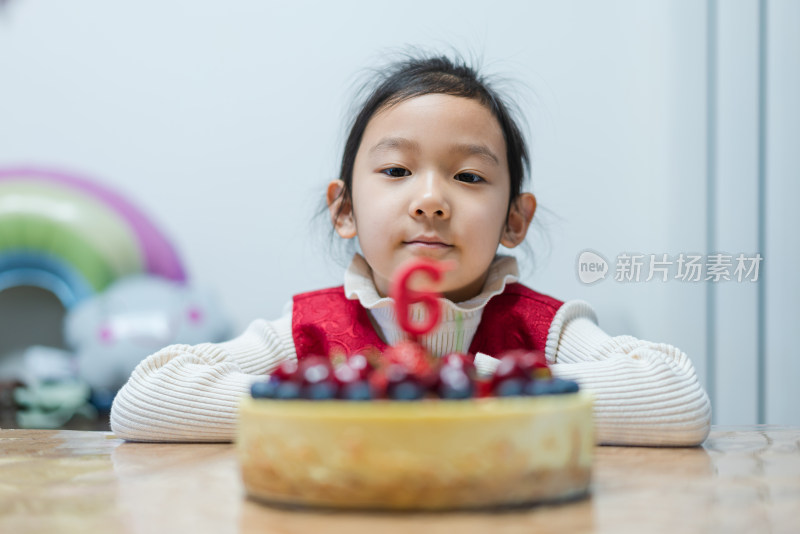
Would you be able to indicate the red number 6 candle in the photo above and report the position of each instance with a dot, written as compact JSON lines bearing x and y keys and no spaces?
{"x":404,"y":296}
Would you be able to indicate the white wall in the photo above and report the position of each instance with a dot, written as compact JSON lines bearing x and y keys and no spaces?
{"x":224,"y":122}
{"x":782,"y":218}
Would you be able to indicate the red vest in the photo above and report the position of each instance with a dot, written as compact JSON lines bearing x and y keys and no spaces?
{"x":325,"y":322}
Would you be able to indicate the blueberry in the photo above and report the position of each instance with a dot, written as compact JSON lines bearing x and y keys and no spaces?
{"x":288,"y":390}
{"x":356,"y":391}
{"x":264,"y":389}
{"x":552,"y":386}
{"x":320,"y":391}
{"x":406,"y":390}
{"x":538,"y":387}
{"x":561,"y":385}
{"x":510,"y":387}
{"x":401,"y":385}
{"x":448,"y":392}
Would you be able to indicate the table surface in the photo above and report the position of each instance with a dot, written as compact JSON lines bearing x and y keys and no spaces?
{"x":740,"y":480}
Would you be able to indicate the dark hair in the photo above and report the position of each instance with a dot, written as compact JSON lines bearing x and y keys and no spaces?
{"x":422,"y":75}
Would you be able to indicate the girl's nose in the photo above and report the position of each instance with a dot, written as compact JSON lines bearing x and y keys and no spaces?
{"x":429,"y":199}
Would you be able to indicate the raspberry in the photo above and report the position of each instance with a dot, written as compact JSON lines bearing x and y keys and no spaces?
{"x":361,"y":364}
{"x":286,"y":370}
{"x":411,"y":355}
{"x":483,"y":388}
{"x":528,"y":360}
{"x":378,"y":383}
{"x":509,"y":367}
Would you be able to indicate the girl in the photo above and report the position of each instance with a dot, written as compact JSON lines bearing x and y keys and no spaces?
{"x":433,"y":166}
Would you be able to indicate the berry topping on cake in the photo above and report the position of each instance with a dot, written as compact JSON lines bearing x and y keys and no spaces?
{"x":412,"y":356}
{"x":406,"y":372}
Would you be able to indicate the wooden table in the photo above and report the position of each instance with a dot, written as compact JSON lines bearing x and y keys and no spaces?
{"x":741,"y":480}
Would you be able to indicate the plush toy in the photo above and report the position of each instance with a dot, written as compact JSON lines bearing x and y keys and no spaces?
{"x":108,"y":335}
{"x":111,"y":333}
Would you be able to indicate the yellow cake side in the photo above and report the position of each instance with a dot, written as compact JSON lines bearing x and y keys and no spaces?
{"x":429,"y":454}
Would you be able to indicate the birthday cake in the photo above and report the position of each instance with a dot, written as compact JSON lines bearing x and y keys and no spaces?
{"x":402,"y":430}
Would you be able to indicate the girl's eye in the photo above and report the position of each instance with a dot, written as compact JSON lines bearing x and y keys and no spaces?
{"x":468,"y":177}
{"x":396,"y":172}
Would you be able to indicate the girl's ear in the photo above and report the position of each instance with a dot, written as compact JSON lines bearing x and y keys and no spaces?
{"x":341,"y":210}
{"x":520,"y":216}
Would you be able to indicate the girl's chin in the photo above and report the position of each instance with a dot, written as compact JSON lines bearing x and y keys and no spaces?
{"x":450,"y":287}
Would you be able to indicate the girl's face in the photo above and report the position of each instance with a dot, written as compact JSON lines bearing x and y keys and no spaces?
{"x":431,"y":179}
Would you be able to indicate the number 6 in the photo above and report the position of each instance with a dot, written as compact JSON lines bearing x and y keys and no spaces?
{"x":404,"y":296}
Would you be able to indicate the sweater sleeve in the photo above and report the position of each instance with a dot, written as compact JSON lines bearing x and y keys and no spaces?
{"x":191,"y":393}
{"x":645,"y":393}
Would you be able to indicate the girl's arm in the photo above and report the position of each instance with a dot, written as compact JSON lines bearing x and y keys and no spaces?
{"x":191,"y":393}
{"x":645,"y":393}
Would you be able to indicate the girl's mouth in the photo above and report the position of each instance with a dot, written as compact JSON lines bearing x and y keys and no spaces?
{"x":427,"y":245}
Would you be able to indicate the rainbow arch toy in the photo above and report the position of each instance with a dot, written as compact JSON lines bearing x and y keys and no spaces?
{"x":71,"y":236}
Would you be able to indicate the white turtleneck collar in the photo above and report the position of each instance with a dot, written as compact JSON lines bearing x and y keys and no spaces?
{"x":459,"y":321}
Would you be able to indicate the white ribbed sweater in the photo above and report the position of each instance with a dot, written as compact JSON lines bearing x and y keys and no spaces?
{"x":645,"y":393}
